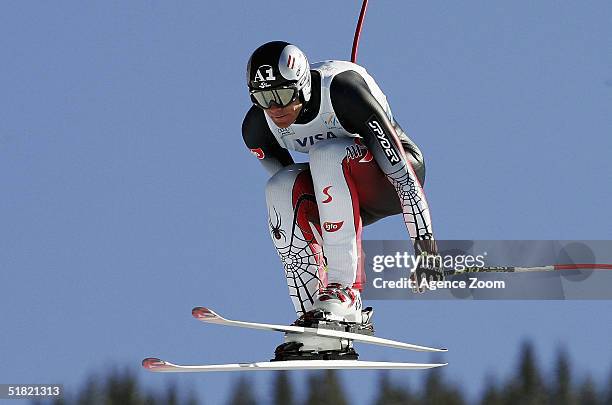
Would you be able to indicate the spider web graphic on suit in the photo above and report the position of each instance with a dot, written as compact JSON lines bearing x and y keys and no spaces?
{"x":301,"y":264}
{"x":414,"y":207}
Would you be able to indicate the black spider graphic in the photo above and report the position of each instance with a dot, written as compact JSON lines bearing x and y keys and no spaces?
{"x":277,"y":232}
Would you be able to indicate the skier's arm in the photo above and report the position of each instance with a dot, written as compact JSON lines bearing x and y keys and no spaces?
{"x":262,"y":143}
{"x":359,"y":112}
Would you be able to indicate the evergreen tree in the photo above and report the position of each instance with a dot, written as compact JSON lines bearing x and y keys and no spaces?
{"x":588,"y":394}
{"x":391,"y":394}
{"x":283,"y":391}
{"x":192,"y":399}
{"x":314,"y":391}
{"x":91,"y":393}
{"x":325,"y":389}
{"x":562,"y":386}
{"x":242,"y":394}
{"x":122,"y":388}
{"x":492,"y":394}
{"x":171,"y":395}
{"x":437,"y":392}
{"x":607,"y":400}
{"x":529,"y":387}
{"x":150,"y":399}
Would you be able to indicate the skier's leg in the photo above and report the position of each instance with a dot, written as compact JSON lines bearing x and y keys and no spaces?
{"x":352,"y":191}
{"x":293,"y":220}
{"x":338,"y":204}
{"x":338,"y":210}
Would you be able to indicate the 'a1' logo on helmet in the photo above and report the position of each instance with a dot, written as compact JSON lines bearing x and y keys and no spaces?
{"x":264,"y":74}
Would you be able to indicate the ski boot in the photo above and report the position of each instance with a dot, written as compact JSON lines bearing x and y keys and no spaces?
{"x":336,"y":308}
{"x":342,"y":304}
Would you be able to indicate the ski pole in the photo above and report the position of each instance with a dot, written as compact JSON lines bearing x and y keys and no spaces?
{"x":516,"y":269}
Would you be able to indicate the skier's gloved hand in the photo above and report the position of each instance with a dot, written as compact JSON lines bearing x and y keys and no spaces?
{"x":430,"y":266}
{"x":431,"y":273}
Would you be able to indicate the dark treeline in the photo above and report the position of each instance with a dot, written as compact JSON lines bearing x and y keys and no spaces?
{"x":527,"y":385}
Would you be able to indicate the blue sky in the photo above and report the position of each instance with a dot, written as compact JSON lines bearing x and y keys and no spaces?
{"x":128,"y":197}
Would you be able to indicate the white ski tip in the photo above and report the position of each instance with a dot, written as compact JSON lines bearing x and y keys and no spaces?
{"x":153,"y":364}
{"x":205,"y":314}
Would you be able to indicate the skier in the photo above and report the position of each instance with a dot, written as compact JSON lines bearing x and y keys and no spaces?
{"x":362,"y":167}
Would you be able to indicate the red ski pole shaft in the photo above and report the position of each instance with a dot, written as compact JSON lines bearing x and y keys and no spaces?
{"x":364,"y":6}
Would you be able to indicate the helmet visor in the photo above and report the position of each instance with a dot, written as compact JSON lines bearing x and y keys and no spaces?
{"x":281,"y":97}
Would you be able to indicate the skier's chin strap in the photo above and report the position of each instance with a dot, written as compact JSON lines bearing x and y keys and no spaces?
{"x":310,"y":108}
{"x":303,"y":111}
{"x":304,"y":114}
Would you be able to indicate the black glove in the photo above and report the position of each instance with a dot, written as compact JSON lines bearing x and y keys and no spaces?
{"x":430,"y":266}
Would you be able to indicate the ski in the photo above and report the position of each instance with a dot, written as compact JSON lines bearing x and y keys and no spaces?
{"x":158,"y":365}
{"x":208,"y":315}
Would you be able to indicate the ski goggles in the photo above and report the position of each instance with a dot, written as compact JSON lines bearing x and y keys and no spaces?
{"x":282,"y":96}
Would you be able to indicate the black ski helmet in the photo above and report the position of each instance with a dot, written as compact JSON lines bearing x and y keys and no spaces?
{"x":279,"y":64}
